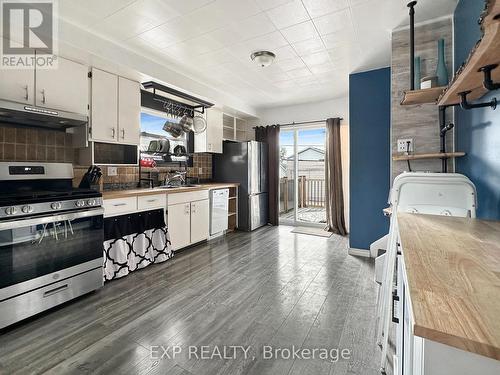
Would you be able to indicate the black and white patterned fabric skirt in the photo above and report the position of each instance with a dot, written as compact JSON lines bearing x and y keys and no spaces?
{"x":134,"y":241}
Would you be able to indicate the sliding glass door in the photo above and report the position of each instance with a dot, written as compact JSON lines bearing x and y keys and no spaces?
{"x":302,"y":175}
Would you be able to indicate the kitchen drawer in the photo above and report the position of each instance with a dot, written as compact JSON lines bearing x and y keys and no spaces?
{"x":119,"y":206}
{"x":190,"y":196}
{"x":25,"y":305}
{"x":146,"y":202}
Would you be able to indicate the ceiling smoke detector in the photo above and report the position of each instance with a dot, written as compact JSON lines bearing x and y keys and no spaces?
{"x":263,"y":58}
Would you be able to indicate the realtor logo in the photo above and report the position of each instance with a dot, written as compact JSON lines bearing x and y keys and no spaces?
{"x":28,"y":30}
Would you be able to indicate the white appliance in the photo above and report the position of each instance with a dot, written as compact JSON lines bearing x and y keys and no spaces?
{"x":219,"y":209}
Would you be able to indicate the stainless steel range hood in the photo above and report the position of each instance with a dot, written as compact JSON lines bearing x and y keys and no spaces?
{"x":29,"y":115}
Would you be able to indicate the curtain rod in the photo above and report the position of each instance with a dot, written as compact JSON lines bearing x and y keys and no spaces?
{"x":301,"y":123}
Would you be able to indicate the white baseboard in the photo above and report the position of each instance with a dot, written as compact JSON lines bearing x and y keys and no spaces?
{"x":359,"y":252}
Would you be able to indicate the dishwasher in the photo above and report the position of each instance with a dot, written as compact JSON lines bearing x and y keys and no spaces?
{"x":219,"y":207}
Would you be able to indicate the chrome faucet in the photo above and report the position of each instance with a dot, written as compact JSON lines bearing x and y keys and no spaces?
{"x":181,"y":176}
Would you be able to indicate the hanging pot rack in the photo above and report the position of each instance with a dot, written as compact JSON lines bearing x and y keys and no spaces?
{"x":172,"y":101}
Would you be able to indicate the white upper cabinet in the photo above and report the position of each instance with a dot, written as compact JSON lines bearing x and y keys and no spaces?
{"x":104,"y":106}
{"x":64,"y":88}
{"x":129,"y":111}
{"x":211,"y":139}
{"x":116,"y":108}
{"x":17,"y":85}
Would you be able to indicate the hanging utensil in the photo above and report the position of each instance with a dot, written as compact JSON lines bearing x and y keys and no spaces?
{"x":172,"y":128}
{"x":186,"y":123}
{"x":199,"y":124}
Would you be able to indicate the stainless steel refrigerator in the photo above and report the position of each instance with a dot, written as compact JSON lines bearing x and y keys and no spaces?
{"x":246,"y":164}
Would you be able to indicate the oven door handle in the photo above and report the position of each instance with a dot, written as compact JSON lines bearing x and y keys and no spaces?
{"x":50,"y":219}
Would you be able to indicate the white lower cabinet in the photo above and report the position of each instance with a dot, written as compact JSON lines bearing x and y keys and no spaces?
{"x":199,"y":220}
{"x":179,"y":223}
{"x":188,"y":218}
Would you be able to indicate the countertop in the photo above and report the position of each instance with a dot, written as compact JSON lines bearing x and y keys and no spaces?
{"x":112,"y":194}
{"x":453,"y":270}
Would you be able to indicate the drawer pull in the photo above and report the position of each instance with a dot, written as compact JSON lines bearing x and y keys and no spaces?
{"x":151,"y":200}
{"x":119,"y":204}
{"x":55,"y":290}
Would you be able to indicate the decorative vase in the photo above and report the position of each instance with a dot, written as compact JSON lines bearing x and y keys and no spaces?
{"x":441,"y":71}
{"x":416,"y":79}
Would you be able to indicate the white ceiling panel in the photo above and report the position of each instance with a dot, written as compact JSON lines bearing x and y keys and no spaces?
{"x":299,"y":32}
{"x":298,"y":73}
{"x":343,"y":36}
{"x":236,"y":10}
{"x":317,"y":43}
{"x":255,"y":26}
{"x":318,"y":58}
{"x":291,"y":64}
{"x":203,"y":44}
{"x":334,"y":22}
{"x":285,"y":84}
{"x":180,"y":29}
{"x":308,"y":46}
{"x":206,"y":18}
{"x":283,"y":53}
{"x":181,"y":6}
{"x":322,"y":68}
{"x":269,"y":4}
{"x":288,"y":14}
{"x":268,"y":42}
{"x":317,"y":8}
{"x":228,"y":35}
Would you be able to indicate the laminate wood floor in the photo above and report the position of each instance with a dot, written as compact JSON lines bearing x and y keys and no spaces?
{"x":269,"y":287}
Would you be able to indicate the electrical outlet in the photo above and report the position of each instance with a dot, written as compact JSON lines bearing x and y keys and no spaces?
{"x":112,"y":171}
{"x":403,"y":145}
{"x":200,"y":170}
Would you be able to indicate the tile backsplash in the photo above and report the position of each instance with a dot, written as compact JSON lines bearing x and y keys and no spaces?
{"x":128,"y":177}
{"x":19,"y":143}
{"x":32,"y":144}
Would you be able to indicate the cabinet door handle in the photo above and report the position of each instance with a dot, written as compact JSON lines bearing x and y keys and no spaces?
{"x":113,"y":133}
{"x":395,"y":298}
{"x":26,"y":96}
{"x":123,"y":133}
{"x":43,"y":96}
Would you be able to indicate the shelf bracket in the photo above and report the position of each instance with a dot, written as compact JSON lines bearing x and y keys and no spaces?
{"x":488,"y":82}
{"x":464,"y":104}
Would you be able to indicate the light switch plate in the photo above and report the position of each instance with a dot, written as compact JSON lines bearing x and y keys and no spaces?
{"x":200,"y":170}
{"x":112,"y":171}
{"x":402,"y":145}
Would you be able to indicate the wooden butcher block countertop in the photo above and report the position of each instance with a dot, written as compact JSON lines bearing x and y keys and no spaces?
{"x":112,"y":194}
{"x":453,"y":270}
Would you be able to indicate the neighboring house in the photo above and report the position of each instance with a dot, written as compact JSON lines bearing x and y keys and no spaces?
{"x":311,"y":164}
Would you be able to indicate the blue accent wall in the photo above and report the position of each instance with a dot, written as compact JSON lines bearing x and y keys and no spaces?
{"x":477,"y":131}
{"x":369,"y":134}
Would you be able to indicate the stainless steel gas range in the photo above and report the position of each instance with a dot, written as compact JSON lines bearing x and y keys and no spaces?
{"x":51,"y":239}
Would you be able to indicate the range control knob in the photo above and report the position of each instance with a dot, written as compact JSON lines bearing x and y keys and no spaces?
{"x":91,"y":202}
{"x":56,"y":206}
{"x":11,"y":210}
{"x":80,"y":203}
{"x":27,"y":209}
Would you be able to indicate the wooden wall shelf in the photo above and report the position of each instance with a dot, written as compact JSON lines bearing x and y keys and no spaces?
{"x":424,"y":96}
{"x":486,"y":52}
{"x":436,"y":155}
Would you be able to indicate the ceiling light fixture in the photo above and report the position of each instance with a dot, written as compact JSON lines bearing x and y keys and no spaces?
{"x":263,"y":58}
